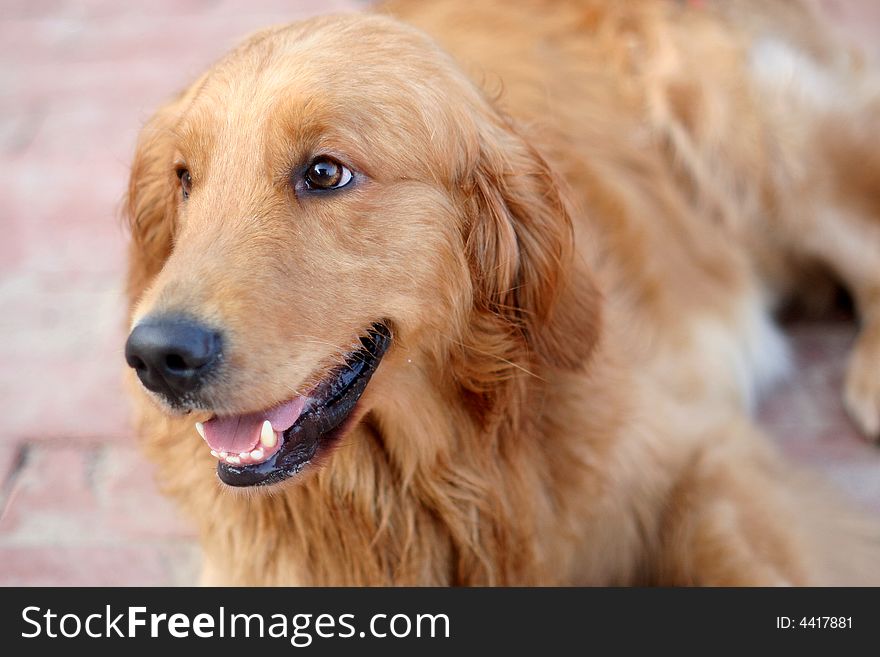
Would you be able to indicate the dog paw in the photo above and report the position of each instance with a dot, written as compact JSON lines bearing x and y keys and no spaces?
{"x":861,"y":394}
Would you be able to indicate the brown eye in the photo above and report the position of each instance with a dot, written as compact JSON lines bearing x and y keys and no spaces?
{"x":185,"y":182}
{"x":325,"y":173}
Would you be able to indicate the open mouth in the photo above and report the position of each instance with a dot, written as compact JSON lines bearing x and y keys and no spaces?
{"x":263,"y":448}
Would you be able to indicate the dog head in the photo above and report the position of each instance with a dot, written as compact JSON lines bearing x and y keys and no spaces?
{"x":328,"y":195}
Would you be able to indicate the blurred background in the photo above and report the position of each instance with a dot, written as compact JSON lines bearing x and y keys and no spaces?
{"x":77,"y":81}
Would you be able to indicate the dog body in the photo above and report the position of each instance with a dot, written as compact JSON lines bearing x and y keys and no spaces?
{"x":576,"y":231}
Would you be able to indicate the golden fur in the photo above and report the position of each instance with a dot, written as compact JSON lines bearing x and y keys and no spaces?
{"x":576,"y":229}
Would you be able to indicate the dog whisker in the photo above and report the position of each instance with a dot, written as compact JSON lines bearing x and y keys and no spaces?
{"x":496,"y":357}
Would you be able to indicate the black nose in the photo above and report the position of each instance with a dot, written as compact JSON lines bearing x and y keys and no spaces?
{"x":172,"y":355}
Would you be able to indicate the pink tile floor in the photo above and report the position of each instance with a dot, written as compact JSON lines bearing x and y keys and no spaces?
{"x":79,"y":505}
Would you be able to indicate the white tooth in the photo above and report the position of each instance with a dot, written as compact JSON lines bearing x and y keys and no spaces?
{"x":233,"y":459}
{"x":257,"y":455}
{"x":223,"y":455}
{"x":243,"y":455}
{"x":267,"y":435}
{"x":214,"y":454}
{"x":201,"y":429}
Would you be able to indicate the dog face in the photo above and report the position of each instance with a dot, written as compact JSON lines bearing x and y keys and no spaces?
{"x":326,"y":194}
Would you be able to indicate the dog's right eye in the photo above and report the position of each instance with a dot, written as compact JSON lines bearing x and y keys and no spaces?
{"x":185,"y":182}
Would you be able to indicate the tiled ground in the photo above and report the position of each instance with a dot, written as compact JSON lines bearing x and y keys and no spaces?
{"x":76,"y":81}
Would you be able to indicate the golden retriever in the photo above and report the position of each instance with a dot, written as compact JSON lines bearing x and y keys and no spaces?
{"x":498,"y":316}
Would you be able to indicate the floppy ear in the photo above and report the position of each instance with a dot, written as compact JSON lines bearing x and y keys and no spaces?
{"x":151,"y":203}
{"x":530,"y":288}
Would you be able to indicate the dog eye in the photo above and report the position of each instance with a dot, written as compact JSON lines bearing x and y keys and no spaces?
{"x":185,"y":182}
{"x":326,"y":173}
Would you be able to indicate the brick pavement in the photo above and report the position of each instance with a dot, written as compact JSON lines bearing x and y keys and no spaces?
{"x":79,"y":505}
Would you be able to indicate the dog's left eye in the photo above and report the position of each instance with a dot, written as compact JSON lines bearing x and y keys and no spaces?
{"x":327,"y":173}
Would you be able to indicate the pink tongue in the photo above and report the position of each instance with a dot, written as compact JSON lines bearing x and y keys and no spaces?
{"x":241,"y":433}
